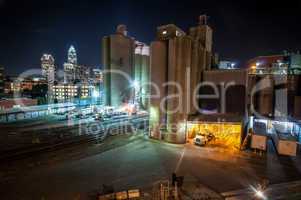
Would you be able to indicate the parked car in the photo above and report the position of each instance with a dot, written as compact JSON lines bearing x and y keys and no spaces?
{"x":200,"y":140}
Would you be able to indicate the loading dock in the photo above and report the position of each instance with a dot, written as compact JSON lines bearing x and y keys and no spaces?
{"x":227,"y":130}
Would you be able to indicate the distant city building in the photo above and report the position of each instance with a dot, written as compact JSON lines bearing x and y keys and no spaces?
{"x":74,"y":73}
{"x":97,"y":75}
{"x":118,"y":56}
{"x":48,"y":68}
{"x":226,"y":65}
{"x":181,"y":58}
{"x":68,"y":92}
{"x":49,"y":72}
{"x":72,"y":56}
{"x":69,"y":73}
{"x":70,"y":67}
{"x":83,"y":74}
{"x":6,"y":104}
{"x":15,"y":84}
{"x":96,"y":79}
{"x":2,"y":84}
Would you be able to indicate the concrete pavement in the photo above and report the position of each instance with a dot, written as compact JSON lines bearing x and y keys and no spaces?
{"x":139,"y":162}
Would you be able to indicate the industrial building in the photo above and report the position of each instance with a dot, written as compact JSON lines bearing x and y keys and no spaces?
{"x":179,"y":58}
{"x":118,"y":56}
{"x":126,"y":64}
{"x":274,"y":100}
{"x":142,"y":75}
{"x":230,"y":101}
{"x":231,"y":89}
{"x":225,"y":64}
{"x":286,"y":63}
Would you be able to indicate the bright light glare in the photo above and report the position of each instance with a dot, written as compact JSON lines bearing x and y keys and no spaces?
{"x":135,"y":84}
{"x":95,"y":94}
{"x":260,"y":194}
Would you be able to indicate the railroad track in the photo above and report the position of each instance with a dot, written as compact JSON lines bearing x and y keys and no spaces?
{"x":110,"y":129}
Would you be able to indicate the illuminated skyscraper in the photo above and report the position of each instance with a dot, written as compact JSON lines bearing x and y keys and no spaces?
{"x":48,"y":67}
{"x":72,"y":56}
{"x":49,"y":72}
{"x":74,"y":72}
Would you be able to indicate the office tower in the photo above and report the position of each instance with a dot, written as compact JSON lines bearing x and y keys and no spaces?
{"x":178,"y":58}
{"x":73,"y":72}
{"x":48,"y":67}
{"x":82,"y":74}
{"x":49,"y":72}
{"x":72,"y":56}
{"x":118,"y":61}
{"x":70,"y":66}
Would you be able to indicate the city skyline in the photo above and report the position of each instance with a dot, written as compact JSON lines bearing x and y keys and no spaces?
{"x":28,"y":35}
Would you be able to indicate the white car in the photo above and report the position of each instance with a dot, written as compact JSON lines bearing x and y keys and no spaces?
{"x":200,"y":140}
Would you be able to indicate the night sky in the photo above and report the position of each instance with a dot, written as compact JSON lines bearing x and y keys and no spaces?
{"x":241,"y":30}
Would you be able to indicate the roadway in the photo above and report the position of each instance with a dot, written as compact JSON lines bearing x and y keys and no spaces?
{"x":133,"y":161}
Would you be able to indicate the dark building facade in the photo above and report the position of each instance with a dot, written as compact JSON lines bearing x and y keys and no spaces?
{"x":286,"y":63}
{"x":178,"y":59}
{"x":276,"y":96}
{"x":231,"y":88}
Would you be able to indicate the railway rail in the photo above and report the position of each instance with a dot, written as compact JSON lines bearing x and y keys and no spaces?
{"x":114,"y":127}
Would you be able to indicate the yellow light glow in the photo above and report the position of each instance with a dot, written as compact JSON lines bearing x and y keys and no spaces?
{"x":226,"y":134}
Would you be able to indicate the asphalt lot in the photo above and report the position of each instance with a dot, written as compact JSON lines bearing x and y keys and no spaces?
{"x":133,"y":161}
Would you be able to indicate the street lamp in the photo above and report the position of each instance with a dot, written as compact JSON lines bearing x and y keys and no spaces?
{"x":135,"y":84}
{"x":95,"y":95}
{"x":258,"y":192}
